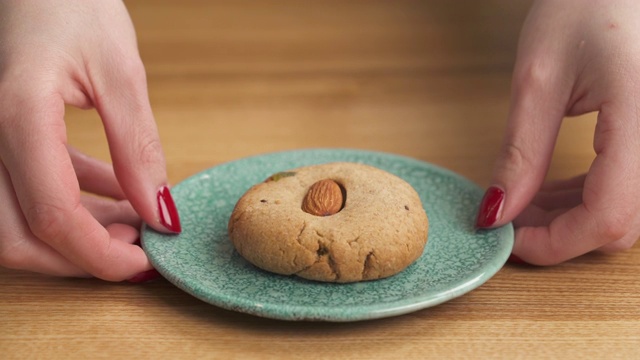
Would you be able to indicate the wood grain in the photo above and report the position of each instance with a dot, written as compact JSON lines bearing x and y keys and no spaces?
{"x":426,"y":79}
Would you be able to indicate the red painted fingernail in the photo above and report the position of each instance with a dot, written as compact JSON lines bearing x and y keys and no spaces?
{"x":145,"y":276}
{"x":515,"y":260}
{"x":168,"y":211}
{"x":490,"y":207}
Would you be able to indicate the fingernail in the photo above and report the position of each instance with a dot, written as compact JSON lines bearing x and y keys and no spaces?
{"x":145,"y":276}
{"x":168,"y":211}
{"x":515,"y":260}
{"x":490,"y":207}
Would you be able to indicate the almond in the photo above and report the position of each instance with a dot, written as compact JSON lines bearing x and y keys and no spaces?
{"x":324,"y":198}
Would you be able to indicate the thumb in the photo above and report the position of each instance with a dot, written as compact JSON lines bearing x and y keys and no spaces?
{"x":137,"y":154}
{"x":533,"y":124}
{"x":119,"y":87}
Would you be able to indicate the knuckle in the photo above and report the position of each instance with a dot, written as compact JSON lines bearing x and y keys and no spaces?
{"x":127,"y":73}
{"x":150,"y":152}
{"x":536,"y":248}
{"x":554,"y":256}
{"x":106,"y":261}
{"x":513,"y":155}
{"x":551,"y":251}
{"x":534,"y":76}
{"x":106,"y":273}
{"x":551,"y":254}
{"x":132,"y":71}
{"x":621,"y":245}
{"x":614,"y":226}
{"x":47,"y":221}
{"x":514,"y":159}
{"x":12,"y":256}
{"x":103,"y":265}
{"x":12,"y":260}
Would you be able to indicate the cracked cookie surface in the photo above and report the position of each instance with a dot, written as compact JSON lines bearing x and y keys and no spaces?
{"x":381,"y":229}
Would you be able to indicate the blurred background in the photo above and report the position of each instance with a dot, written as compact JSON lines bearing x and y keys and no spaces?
{"x":250,"y":77}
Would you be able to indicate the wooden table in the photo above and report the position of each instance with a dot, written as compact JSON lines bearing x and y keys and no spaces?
{"x":426,"y":79}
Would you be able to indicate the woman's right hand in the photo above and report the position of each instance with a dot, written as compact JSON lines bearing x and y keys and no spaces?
{"x":81,"y":53}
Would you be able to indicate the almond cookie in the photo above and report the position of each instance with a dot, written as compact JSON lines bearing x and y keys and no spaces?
{"x":337,"y":222}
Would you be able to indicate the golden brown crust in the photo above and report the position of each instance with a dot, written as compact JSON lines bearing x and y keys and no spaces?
{"x":381,"y":230}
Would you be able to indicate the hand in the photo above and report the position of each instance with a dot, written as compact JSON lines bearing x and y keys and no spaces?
{"x":81,"y":53}
{"x":574,"y":57}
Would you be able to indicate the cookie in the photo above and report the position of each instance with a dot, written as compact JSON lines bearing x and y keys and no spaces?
{"x":336,"y":222}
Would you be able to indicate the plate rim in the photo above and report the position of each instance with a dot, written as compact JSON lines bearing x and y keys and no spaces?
{"x":298,"y":312}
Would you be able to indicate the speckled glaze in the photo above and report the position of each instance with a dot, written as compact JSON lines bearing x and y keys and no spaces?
{"x":202,"y":261}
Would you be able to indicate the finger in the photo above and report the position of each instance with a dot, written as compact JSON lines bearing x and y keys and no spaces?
{"x":574,"y":233}
{"x":30,"y":254}
{"x":609,"y":212}
{"x":551,"y":200}
{"x":49,"y":195}
{"x":536,"y":216}
{"x":19,"y":249}
{"x":533,"y":124}
{"x":576,"y":182}
{"x":95,"y":176}
{"x":625,"y":243}
{"x":134,"y":143}
{"x":124,"y":233}
{"x":108,"y":211}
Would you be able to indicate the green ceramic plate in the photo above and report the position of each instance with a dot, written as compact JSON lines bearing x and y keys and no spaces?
{"x":202,"y":261}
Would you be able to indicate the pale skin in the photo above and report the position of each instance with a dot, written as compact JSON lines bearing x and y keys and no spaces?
{"x":574,"y":57}
{"x":63,"y":55}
